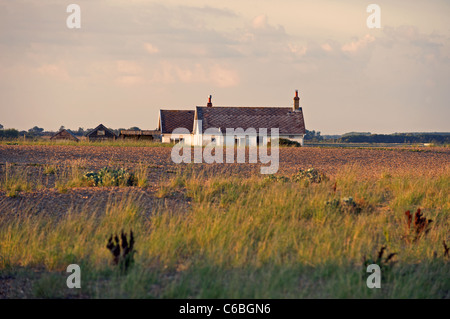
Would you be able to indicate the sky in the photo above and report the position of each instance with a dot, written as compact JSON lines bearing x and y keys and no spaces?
{"x":131,"y":58}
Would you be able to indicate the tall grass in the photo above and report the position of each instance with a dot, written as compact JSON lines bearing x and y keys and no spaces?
{"x":52,"y":241}
{"x":15,"y":180}
{"x":71,"y":175}
{"x":246,"y":238}
{"x":141,"y":175}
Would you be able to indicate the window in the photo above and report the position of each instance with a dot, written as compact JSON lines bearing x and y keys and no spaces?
{"x":259,"y":140}
{"x":213,"y":139}
{"x":176,"y":140}
{"x":101,"y":132}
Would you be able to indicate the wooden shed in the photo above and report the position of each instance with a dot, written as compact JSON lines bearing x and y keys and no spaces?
{"x":150,"y":135}
{"x":101,"y":133}
{"x":64,"y":135}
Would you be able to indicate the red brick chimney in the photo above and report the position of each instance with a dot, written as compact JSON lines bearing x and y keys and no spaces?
{"x":296,"y":101}
{"x":209,"y":101}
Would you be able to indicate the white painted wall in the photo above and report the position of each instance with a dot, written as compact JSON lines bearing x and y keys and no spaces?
{"x":242,"y":140}
{"x":166,"y":138}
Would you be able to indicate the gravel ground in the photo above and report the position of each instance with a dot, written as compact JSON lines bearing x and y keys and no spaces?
{"x":330,"y":160}
{"x":371,"y":162}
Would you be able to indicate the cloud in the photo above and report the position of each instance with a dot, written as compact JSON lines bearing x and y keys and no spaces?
{"x":129,"y":73}
{"x":150,"y":48}
{"x":260,"y":22}
{"x":210,"y":11}
{"x":297,"y":50}
{"x":261,"y":27}
{"x":155,"y":47}
{"x":429,"y":48}
{"x":402,"y":33}
{"x":128,"y":81}
{"x":326,"y":47}
{"x":128,"y":67}
{"x":358,"y":44}
{"x":57,"y":71}
{"x":261,"y":40}
{"x":221,"y":76}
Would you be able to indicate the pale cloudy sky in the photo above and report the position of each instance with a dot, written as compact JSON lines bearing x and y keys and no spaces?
{"x":133,"y":57}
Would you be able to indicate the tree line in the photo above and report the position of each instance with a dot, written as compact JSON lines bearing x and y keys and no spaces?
{"x":438,"y":138}
{"x":311,"y":136}
{"x":37,"y":131}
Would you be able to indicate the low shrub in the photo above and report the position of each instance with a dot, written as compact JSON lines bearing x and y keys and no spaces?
{"x":349,"y":205}
{"x":275,"y":178}
{"x":110,"y":177}
{"x":312,"y":175}
{"x":288,"y":143}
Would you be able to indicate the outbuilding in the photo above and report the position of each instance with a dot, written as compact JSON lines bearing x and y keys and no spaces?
{"x":64,"y":135}
{"x":101,"y":133}
{"x":151,"y":135}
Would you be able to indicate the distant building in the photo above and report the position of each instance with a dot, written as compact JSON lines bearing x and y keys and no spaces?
{"x":140,"y":134}
{"x":64,"y":135}
{"x":209,"y":124}
{"x":101,"y":133}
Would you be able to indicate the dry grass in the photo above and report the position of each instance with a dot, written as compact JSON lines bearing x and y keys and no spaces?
{"x":16,"y":180}
{"x":237,"y":235}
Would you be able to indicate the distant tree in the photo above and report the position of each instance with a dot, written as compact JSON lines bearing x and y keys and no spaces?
{"x":318,"y":136}
{"x":12,"y":133}
{"x":356,"y":134}
{"x":1,"y":127}
{"x":134,"y":128}
{"x":36,"y":130}
{"x":396,"y":138}
{"x":313,"y":136}
{"x":117,"y":131}
{"x":80,"y":132}
{"x":9,"y":133}
{"x":62,"y":127}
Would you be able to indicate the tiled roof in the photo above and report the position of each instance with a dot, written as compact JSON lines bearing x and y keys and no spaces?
{"x":288,"y":122}
{"x":172,"y":119}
